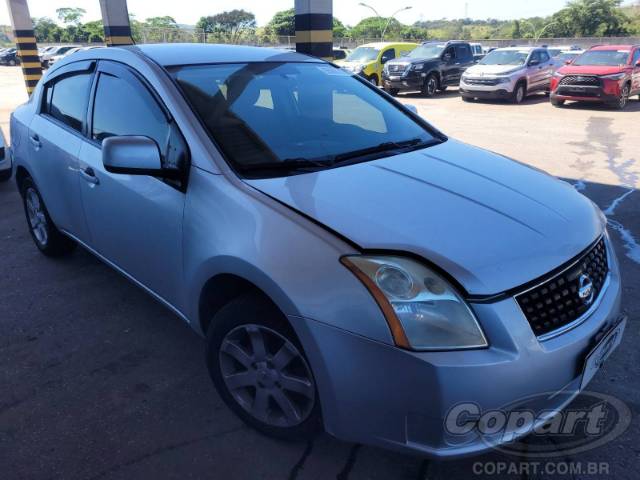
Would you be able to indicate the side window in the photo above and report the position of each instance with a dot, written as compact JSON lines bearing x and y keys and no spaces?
{"x":66,"y":99}
{"x":636,"y":57}
{"x":544,"y":57}
{"x":451,"y":52}
{"x":122,"y":108}
{"x":535,"y":57}
{"x":463,"y":52}
{"x":388,"y":55}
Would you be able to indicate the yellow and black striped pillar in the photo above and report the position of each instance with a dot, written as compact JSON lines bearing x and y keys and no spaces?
{"x":115,"y":17}
{"x":314,"y":28}
{"x":25,"y":42}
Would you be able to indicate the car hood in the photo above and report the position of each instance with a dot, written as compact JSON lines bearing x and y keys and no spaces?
{"x":590,"y":70}
{"x":490,"y":222}
{"x":492,"y":69}
{"x":411,"y":61}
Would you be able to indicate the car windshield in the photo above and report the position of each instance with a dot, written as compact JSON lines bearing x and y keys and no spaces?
{"x":604,"y":58}
{"x":427,"y":51}
{"x":276,"y":119}
{"x":563,"y":57}
{"x":554,"y":52}
{"x":505,"y":57}
{"x":363,"y":54}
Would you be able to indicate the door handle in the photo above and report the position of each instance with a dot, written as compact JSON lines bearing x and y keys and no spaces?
{"x":35,"y":141}
{"x":89,"y":175}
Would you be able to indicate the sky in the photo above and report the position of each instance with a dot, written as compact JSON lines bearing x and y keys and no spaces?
{"x":189,"y":11}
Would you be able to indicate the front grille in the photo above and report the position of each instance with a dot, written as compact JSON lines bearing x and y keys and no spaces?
{"x":557,"y":302}
{"x":481,"y":81}
{"x":580,"y":80}
{"x":397,"y":68}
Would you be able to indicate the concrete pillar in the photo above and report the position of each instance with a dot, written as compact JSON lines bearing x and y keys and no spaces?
{"x":115,"y":16}
{"x":25,"y":42}
{"x":314,"y":27}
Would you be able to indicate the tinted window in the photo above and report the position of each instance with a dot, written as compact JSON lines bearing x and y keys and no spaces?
{"x":636,"y":57}
{"x":535,"y":57}
{"x":66,"y":100}
{"x":609,"y":58}
{"x":388,"y":55}
{"x":544,"y":57}
{"x":271,"y":112}
{"x":125,"y":108}
{"x":122,"y":109}
{"x":463,"y":52}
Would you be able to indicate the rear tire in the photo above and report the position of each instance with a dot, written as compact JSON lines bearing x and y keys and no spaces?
{"x":260,"y":370}
{"x":557,"y":103}
{"x":49,"y":240}
{"x":392,"y":91}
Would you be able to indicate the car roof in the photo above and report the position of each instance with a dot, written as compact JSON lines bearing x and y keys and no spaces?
{"x":521,"y":49}
{"x":379,"y":45}
{"x":613,"y":47}
{"x":168,"y":54}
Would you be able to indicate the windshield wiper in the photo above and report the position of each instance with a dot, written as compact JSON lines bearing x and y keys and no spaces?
{"x":407,"y":145}
{"x":288,"y":164}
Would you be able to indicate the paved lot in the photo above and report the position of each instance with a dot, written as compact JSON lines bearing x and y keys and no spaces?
{"x":99,"y":381}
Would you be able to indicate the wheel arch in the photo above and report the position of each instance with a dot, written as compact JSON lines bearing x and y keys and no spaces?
{"x":231,"y":279}
{"x":21,"y":174}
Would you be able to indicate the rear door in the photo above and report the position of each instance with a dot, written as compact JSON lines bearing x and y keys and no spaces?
{"x":135,"y":220}
{"x":55,"y":137}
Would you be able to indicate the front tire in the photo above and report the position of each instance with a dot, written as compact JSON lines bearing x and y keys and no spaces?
{"x":430,"y":86}
{"x":557,"y":103}
{"x":623,"y":99}
{"x":49,"y":240}
{"x":259,"y":368}
{"x":12,"y":63}
{"x":467,"y":99}
{"x":392,"y":91}
{"x":373,"y":80}
{"x":519,"y":93}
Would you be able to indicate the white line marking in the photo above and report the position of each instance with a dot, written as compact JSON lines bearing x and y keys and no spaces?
{"x":611,"y":209}
{"x":630,"y":243}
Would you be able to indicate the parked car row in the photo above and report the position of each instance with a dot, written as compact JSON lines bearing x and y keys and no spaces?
{"x":606,"y":73}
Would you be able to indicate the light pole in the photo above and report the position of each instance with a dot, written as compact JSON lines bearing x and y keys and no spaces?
{"x":537,"y":35}
{"x":543,"y":30}
{"x":384,"y":30}
{"x":391,"y":18}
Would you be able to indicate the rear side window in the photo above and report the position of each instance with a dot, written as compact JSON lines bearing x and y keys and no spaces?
{"x":544,"y":57}
{"x":66,"y":100}
{"x":463,"y":52}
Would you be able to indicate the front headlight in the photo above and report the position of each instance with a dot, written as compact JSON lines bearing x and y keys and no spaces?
{"x":503,"y":79}
{"x":359,"y":68}
{"x":417,"y":66}
{"x":423,"y":310}
{"x":615,"y":76}
{"x":557,"y":74}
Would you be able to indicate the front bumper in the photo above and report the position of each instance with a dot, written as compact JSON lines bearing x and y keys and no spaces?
{"x":407,"y":81}
{"x":473,"y":88}
{"x":607,"y":91}
{"x":378,"y":394}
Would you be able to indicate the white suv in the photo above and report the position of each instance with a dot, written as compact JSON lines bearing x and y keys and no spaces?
{"x":508,"y":73}
{"x":5,"y":160}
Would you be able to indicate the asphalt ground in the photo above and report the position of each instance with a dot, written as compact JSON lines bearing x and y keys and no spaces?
{"x":98,"y":381}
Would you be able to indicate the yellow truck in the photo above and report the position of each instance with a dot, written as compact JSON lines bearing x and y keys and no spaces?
{"x":368,"y":60}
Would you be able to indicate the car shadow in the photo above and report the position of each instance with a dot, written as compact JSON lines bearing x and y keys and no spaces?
{"x":632,"y":107}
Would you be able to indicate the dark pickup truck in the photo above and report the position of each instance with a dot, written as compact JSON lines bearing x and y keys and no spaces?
{"x":431,"y":67}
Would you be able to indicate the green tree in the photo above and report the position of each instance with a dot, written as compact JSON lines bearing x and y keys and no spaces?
{"x":46,"y":30}
{"x":93,"y":32}
{"x":588,"y":18}
{"x":283,"y":23}
{"x":516,"y":33}
{"x":71,"y":16}
{"x":372,"y":27}
{"x":232,"y":23}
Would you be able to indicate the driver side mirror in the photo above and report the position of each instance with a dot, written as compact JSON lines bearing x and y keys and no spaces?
{"x":534,"y":62}
{"x":384,"y":60}
{"x":447,"y":57}
{"x":132,"y":155}
{"x":568,"y":62}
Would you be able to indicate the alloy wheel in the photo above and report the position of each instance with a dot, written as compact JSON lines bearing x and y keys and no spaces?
{"x":37,"y":217}
{"x":624,"y":97}
{"x":432,"y":86}
{"x":267,"y":376}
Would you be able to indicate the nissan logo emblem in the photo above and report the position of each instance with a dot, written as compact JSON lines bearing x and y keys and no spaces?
{"x":585,"y":289}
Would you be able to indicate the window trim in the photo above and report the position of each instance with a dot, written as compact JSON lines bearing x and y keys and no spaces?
{"x":70,"y":70}
{"x":128,"y":74}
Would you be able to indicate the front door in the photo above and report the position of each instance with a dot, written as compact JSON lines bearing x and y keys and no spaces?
{"x":135,"y":220}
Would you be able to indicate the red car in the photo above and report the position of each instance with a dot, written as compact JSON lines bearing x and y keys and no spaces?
{"x":608,"y":74}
